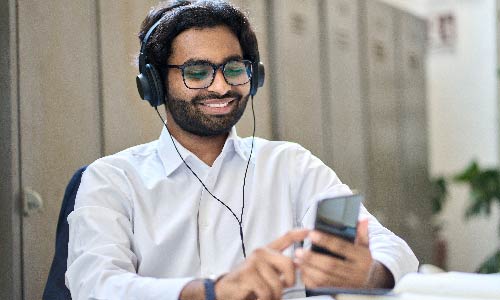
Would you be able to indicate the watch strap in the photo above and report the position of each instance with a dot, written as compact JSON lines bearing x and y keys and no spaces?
{"x":209,"y":289}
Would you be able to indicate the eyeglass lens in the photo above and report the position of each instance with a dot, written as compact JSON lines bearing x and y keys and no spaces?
{"x":201,"y":75}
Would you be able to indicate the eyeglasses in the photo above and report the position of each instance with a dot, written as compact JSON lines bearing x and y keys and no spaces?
{"x":201,"y":74}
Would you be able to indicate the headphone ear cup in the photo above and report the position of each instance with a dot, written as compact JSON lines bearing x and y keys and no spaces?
{"x":262,"y":74}
{"x":155,"y":86}
{"x":143,"y":87}
{"x":258,"y":76}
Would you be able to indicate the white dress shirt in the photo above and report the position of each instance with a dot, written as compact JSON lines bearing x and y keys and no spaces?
{"x":143,"y":226}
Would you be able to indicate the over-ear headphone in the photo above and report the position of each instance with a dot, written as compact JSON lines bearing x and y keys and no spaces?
{"x":149,"y":83}
{"x":152,"y":89}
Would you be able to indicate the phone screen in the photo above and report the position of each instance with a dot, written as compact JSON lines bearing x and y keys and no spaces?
{"x":338,"y":216}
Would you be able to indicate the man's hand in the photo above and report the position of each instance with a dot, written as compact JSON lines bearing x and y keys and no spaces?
{"x":264,"y":274}
{"x":357,"y":270}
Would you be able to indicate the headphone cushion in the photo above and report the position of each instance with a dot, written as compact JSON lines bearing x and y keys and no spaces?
{"x":257,"y":80}
{"x":262,"y":74}
{"x":155,"y":85}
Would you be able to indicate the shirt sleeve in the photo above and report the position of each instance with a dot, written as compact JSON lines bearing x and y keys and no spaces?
{"x":317,"y":181}
{"x":389,"y":249}
{"x":101,"y":261}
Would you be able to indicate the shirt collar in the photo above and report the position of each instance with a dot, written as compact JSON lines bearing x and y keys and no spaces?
{"x":171,"y":160}
{"x":235,"y":143}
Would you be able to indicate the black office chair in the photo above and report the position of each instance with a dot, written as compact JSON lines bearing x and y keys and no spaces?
{"x":55,"y":289}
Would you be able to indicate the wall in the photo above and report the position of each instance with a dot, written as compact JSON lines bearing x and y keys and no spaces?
{"x":463,"y":122}
{"x":463,"y":118}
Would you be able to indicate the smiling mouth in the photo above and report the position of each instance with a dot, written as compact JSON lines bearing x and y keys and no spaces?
{"x":218,"y":104}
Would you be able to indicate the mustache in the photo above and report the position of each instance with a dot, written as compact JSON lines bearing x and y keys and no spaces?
{"x":229,"y":94}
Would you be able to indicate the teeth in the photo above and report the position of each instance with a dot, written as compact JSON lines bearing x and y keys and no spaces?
{"x":217,"y":104}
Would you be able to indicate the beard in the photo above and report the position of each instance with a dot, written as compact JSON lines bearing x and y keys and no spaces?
{"x":190,"y":118}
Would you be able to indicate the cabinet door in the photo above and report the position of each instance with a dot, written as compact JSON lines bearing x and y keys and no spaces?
{"x":296,"y":74}
{"x":59,"y":116}
{"x":127,"y":119}
{"x":344,"y":141}
{"x":383,"y":113}
{"x":257,"y":13}
{"x":414,"y":156}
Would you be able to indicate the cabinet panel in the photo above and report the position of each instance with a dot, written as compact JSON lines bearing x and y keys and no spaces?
{"x":10,"y":218}
{"x":297,"y":73}
{"x":59,"y":116}
{"x":412,"y":92}
{"x":384,"y":114}
{"x":127,"y":119}
{"x":258,"y":15}
{"x":346,"y":144}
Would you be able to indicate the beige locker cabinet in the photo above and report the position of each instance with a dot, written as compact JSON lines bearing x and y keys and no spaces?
{"x":383,"y":111}
{"x":345,"y":143}
{"x":396,"y":110}
{"x":10,"y":215}
{"x":59,"y":117}
{"x":127,"y":119}
{"x":296,"y":75}
{"x":416,"y":212}
{"x":258,"y":15}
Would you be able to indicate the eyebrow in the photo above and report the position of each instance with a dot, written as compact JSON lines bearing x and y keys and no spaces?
{"x":206,"y":61}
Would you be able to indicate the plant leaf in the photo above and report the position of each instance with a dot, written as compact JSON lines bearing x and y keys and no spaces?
{"x":470,"y":172}
{"x":484,"y":188}
{"x":491,"y":265}
{"x":439,"y":193}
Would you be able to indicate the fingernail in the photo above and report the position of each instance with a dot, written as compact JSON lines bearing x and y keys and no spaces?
{"x":299,"y":253}
{"x":314,"y":236}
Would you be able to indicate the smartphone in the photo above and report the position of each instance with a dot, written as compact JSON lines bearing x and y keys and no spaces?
{"x":338,"y":216}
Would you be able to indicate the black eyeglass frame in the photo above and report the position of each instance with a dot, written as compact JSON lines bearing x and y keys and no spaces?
{"x":215,"y":68}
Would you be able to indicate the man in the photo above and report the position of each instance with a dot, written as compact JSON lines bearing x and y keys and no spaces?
{"x":175,"y":218}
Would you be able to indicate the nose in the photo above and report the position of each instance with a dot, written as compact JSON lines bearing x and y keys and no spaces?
{"x":219,"y":85}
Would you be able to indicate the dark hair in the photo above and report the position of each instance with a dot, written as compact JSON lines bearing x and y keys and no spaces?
{"x":180,"y":15}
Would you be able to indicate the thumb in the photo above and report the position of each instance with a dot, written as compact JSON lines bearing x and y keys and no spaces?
{"x":362,"y":233}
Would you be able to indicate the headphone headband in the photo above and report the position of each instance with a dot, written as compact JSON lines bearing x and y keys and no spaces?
{"x":143,"y":54}
{"x":151,"y":87}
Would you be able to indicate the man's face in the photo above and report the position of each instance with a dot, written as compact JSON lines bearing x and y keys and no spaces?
{"x":213,"y":110}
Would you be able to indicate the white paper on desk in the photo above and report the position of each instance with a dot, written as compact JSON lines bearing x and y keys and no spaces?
{"x":403,"y":296}
{"x":315,"y":298}
{"x":451,"y":284}
{"x":409,"y":296}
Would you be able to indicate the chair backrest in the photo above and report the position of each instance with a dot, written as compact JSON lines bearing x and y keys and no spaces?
{"x":55,"y":288}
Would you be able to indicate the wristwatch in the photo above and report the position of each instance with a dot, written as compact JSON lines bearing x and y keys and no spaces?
{"x":209,"y":289}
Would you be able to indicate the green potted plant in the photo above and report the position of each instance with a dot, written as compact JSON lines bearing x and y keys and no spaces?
{"x":484,"y":187}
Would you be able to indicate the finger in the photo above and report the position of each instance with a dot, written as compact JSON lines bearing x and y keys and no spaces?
{"x":336,"y":268}
{"x":259,"y":287}
{"x":283,"y":265}
{"x":327,"y":264}
{"x":312,"y":277}
{"x":285,"y":241}
{"x":272,"y":279}
{"x":362,"y":238}
{"x":333,"y":243}
{"x":308,"y":277}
